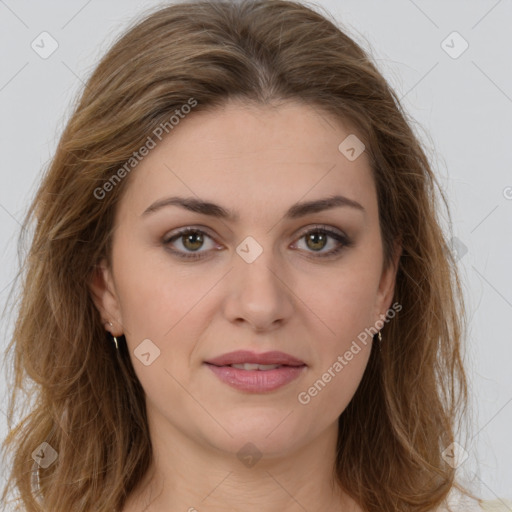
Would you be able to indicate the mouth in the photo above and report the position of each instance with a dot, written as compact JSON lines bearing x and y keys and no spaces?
{"x":256,"y":373}
{"x":256,"y":380}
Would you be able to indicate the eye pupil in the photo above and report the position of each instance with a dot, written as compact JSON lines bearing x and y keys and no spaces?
{"x":315,"y":237}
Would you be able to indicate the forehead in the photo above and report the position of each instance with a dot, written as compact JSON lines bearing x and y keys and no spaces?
{"x":251,"y":158}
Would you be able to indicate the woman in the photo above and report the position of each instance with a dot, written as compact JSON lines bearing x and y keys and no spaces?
{"x":238,"y":294}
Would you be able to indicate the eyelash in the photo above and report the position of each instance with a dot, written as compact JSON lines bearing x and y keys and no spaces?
{"x":343,"y":239}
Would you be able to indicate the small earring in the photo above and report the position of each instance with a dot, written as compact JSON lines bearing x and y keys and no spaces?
{"x":115,"y":339}
{"x":380,"y":336}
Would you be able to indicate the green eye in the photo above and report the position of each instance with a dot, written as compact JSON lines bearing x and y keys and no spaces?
{"x":318,"y":238}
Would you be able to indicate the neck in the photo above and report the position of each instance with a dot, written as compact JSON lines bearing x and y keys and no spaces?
{"x":190,"y":476}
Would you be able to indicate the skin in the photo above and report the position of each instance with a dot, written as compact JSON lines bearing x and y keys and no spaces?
{"x":257,"y":161}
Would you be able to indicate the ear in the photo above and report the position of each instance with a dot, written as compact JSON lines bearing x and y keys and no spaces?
{"x":387,"y":282}
{"x":105,"y":298}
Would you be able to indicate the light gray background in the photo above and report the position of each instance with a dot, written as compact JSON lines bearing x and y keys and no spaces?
{"x":463,"y":112}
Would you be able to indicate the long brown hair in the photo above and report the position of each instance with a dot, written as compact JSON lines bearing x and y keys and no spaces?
{"x":84,"y":400}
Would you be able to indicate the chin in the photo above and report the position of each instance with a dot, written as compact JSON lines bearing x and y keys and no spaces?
{"x":273,"y":433}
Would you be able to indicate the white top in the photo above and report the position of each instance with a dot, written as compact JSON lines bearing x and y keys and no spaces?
{"x":461,"y":503}
{"x":497,"y":505}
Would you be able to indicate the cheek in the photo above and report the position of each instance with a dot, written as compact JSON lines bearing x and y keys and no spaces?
{"x":154,"y":292}
{"x":343,"y":302}
{"x":342,"y":346}
{"x":164,"y":311}
{"x":168,"y":304}
{"x":343,"y":307}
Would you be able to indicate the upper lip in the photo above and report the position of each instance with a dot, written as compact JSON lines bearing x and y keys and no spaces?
{"x":246,"y":356}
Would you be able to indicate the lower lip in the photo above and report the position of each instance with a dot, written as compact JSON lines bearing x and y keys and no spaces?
{"x":256,"y":381}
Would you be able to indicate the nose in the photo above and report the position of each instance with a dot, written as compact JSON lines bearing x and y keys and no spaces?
{"x":259,"y":293}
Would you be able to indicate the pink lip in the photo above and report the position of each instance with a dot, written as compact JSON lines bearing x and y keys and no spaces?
{"x":246,"y":356}
{"x":256,"y":381}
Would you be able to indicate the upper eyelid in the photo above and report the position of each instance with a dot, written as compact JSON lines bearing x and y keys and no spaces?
{"x":300,"y":234}
{"x":181,"y":231}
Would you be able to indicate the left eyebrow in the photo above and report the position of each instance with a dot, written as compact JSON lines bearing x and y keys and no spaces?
{"x":296,"y":211}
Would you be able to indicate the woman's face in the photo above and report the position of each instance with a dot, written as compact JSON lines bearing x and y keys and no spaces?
{"x":268,"y":266}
